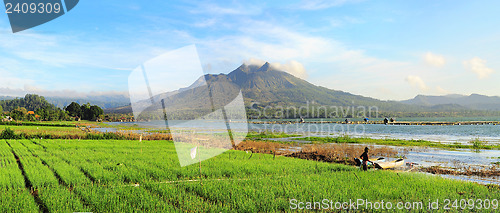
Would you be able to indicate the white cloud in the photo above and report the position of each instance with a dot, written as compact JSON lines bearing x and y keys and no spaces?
{"x":442,"y":91}
{"x":338,"y":22}
{"x":293,"y":67}
{"x":416,"y":81}
{"x":434,"y":59}
{"x":11,"y":92}
{"x":206,"y":23}
{"x":478,"y":66}
{"x":68,"y":93}
{"x":235,"y":9}
{"x":254,"y":61}
{"x":322,"y":4}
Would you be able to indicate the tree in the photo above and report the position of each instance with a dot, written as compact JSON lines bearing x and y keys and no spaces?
{"x":86,"y":111}
{"x":91,"y":112}
{"x":1,"y":111}
{"x":95,"y":111}
{"x":74,"y":109}
{"x":19,"y":113}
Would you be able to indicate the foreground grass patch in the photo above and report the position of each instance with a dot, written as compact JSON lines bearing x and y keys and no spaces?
{"x":131,"y":176}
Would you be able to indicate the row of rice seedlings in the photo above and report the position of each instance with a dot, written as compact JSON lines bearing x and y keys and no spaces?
{"x":11,"y":176}
{"x":120,"y":198}
{"x":134,"y":162}
{"x":14,"y":197}
{"x":70,"y":175}
{"x":186,"y":201}
{"x":45,"y":185}
{"x":124,"y":199}
{"x":17,"y":200}
{"x":189,"y":200}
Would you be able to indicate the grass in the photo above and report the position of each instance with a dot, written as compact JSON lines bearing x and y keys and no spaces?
{"x":50,"y":123}
{"x":478,"y":144}
{"x":65,"y":132}
{"x":474,"y":144}
{"x":44,"y":130}
{"x":264,"y":135}
{"x":133,"y":176}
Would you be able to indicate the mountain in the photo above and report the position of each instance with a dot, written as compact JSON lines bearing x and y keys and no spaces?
{"x":261,"y":86}
{"x":269,"y":86}
{"x":264,"y":87}
{"x":474,"y":101}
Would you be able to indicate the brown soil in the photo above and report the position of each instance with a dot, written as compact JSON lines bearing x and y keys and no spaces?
{"x":334,"y":153}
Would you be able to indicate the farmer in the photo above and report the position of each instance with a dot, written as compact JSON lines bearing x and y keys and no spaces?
{"x":365,"y":159}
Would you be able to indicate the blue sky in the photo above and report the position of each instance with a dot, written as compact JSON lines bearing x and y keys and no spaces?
{"x":384,"y":49}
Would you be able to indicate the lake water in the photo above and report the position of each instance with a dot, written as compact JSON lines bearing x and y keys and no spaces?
{"x":445,"y":134}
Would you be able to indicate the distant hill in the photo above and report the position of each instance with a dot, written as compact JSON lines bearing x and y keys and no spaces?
{"x":7,"y":98}
{"x":103,"y":101}
{"x":474,"y":101}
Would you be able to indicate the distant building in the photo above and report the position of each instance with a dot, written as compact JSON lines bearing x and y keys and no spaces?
{"x":7,"y":119}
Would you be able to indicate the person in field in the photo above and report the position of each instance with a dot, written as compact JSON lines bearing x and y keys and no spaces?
{"x":365,"y":159}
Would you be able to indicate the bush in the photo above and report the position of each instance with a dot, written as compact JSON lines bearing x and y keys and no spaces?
{"x":8,"y":133}
{"x":477,"y":144}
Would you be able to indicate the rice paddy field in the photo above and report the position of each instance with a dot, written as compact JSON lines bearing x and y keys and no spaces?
{"x":132,"y":176}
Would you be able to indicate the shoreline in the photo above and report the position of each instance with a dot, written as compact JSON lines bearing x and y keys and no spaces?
{"x":412,"y":123}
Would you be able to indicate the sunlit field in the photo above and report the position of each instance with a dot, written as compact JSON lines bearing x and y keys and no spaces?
{"x":130,"y":176}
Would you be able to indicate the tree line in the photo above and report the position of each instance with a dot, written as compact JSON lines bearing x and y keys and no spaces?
{"x":36,"y":108}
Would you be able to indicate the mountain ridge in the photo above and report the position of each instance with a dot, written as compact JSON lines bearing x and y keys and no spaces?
{"x":473,"y":101}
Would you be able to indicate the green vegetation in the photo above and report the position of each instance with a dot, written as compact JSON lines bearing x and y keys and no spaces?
{"x":36,"y":108}
{"x":24,"y":132}
{"x":85,"y":111}
{"x":32,"y":108}
{"x":54,"y":124}
{"x":478,"y":144}
{"x":263,"y":135}
{"x":475,"y":144}
{"x":7,"y":133}
{"x":68,"y":130}
{"x":130,"y":176}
